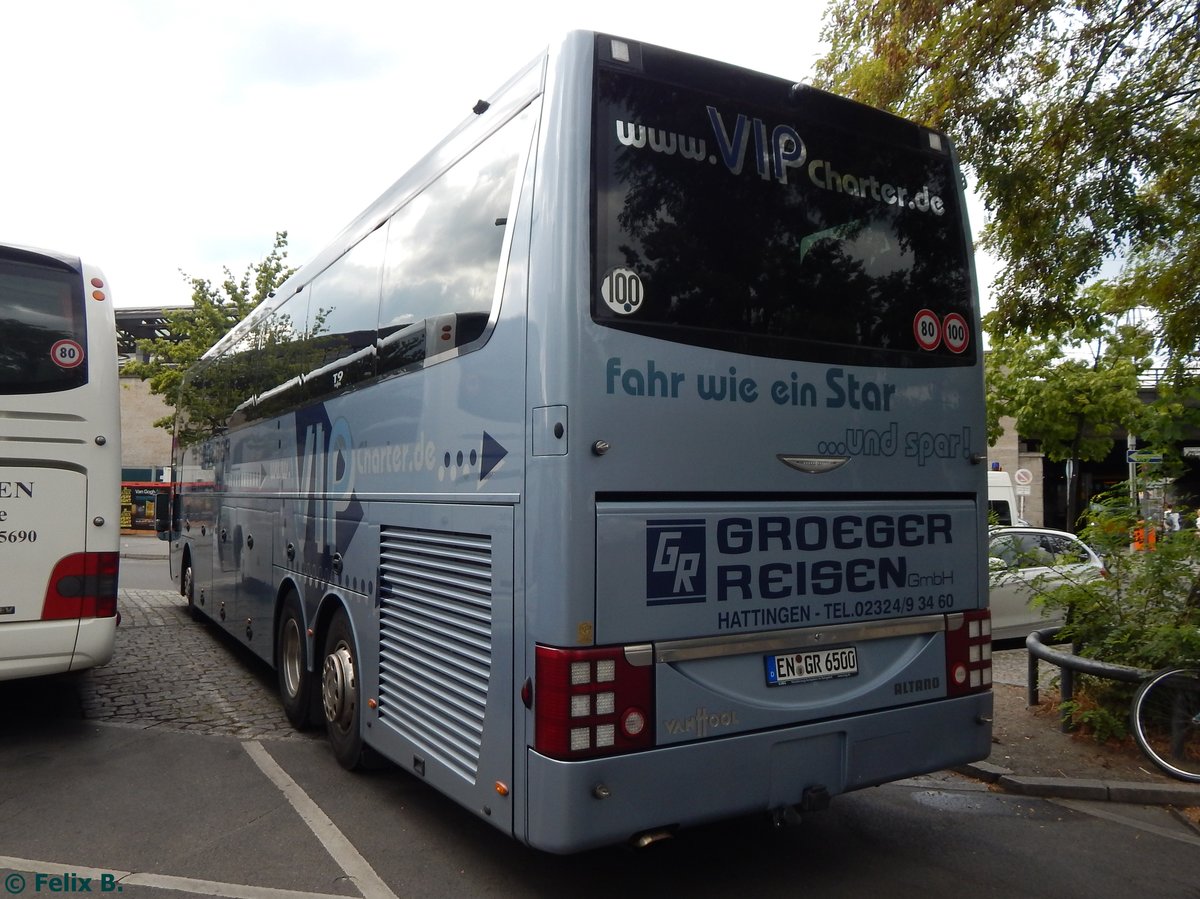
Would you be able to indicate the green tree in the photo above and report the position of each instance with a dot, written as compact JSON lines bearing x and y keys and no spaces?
{"x":194,"y":329}
{"x":1072,"y":390}
{"x":1078,"y":120}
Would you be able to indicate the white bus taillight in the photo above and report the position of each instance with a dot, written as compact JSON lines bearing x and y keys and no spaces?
{"x":591,"y":702}
{"x":82,"y":585}
{"x":968,"y":652}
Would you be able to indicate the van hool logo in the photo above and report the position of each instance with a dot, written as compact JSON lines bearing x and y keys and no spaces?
{"x":675,"y":562}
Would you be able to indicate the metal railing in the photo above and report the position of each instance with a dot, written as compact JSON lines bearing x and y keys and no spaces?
{"x":1069,"y":663}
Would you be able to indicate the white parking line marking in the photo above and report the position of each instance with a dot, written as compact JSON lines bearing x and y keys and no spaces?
{"x":155,"y":881}
{"x":1096,"y":811}
{"x":349,"y":859}
{"x":212,"y":888}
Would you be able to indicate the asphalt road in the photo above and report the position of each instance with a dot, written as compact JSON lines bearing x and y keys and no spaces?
{"x":172,"y":772}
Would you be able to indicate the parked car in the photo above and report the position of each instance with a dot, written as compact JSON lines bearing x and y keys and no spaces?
{"x":1025,"y":562}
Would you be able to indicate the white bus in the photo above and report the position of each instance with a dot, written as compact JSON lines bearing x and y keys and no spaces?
{"x":620,"y":468}
{"x":60,"y":464}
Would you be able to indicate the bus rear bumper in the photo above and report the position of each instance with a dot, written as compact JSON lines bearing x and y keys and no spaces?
{"x":38,"y":648}
{"x":95,"y":644}
{"x":681,"y":786}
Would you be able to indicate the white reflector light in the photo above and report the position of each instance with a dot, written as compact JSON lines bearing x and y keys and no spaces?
{"x":606,"y":703}
{"x":620,"y":51}
{"x":606,"y":735}
{"x":606,"y":671}
{"x":581,"y":738}
{"x":581,"y":706}
{"x":581,"y":673}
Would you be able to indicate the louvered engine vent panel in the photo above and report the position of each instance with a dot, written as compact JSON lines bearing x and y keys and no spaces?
{"x":435,"y":641}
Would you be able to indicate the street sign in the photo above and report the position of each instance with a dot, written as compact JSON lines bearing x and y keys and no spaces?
{"x":1022,"y":477}
{"x":1142,"y":457}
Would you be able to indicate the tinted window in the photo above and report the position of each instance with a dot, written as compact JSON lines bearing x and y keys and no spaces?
{"x":343,"y":310}
{"x":727,"y":216}
{"x":43,"y":338}
{"x":443,"y":253}
{"x":999,"y":509}
{"x":281,"y":351}
{"x":208,"y":397}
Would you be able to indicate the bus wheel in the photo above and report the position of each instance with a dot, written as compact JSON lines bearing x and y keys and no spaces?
{"x":187,"y":586}
{"x":340,"y":693}
{"x":291,"y":664}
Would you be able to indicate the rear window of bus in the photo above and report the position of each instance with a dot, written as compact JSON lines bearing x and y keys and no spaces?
{"x":44,"y":345}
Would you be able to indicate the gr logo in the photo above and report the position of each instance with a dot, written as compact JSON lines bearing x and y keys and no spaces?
{"x":675,"y":562}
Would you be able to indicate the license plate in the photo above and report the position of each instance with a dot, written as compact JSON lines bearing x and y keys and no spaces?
{"x":810,"y":665}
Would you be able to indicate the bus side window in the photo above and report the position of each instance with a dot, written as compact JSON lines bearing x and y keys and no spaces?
{"x":343,"y":310}
{"x":205,"y":401}
{"x":281,"y":355}
{"x":443,"y":255}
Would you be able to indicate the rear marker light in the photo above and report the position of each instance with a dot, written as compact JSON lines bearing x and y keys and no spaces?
{"x":968,"y":652}
{"x":82,"y":585}
{"x":592,"y":702}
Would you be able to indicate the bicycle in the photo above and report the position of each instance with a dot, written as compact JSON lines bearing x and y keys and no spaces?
{"x":1166,"y":721}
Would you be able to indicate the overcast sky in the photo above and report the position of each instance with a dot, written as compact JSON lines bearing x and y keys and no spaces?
{"x":154,"y":136}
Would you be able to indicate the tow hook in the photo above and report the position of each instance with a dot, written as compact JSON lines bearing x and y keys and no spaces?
{"x":785,"y":816}
{"x":814,"y":798}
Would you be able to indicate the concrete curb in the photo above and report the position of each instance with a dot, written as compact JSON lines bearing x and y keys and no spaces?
{"x":1180,"y":795}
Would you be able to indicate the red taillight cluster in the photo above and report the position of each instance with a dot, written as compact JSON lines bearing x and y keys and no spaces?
{"x":968,"y":652}
{"x":83,"y":585}
{"x":590,"y":702}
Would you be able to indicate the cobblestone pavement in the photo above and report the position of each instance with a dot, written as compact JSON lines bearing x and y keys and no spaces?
{"x":173,"y":673}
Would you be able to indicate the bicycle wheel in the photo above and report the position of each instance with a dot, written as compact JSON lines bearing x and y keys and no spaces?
{"x":1166,"y":721}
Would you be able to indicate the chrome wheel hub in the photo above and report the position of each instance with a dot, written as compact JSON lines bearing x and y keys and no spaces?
{"x":337,"y":687}
{"x":291,"y":657}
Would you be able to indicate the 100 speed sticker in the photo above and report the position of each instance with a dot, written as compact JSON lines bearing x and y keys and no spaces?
{"x":930,"y":331}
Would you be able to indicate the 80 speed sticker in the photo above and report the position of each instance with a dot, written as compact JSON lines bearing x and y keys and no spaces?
{"x":927,"y":329}
{"x":66,"y":354}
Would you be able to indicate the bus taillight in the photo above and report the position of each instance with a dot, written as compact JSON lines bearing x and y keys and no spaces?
{"x":592,"y":702}
{"x":968,"y":652}
{"x":82,"y":585}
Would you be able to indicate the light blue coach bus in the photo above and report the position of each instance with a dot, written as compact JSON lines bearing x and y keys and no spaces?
{"x":634,"y":436}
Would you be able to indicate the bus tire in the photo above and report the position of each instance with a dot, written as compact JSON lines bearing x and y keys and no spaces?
{"x":341,"y":692}
{"x":187,"y":586}
{"x":296,"y":683}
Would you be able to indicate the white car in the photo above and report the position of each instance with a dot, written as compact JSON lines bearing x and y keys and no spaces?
{"x":1025,"y":562}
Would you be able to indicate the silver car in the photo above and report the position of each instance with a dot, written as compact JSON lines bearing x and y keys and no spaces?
{"x":1025,"y":562}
